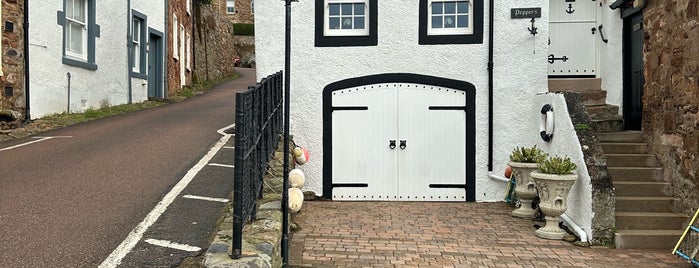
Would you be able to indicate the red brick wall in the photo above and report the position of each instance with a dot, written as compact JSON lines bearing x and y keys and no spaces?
{"x":178,"y":7}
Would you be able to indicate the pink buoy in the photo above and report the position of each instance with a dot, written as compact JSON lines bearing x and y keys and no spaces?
{"x":303,"y":157}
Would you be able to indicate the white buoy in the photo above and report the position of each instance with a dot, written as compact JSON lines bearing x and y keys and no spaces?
{"x":295,"y":200}
{"x":296,"y":178}
{"x":303,"y":158}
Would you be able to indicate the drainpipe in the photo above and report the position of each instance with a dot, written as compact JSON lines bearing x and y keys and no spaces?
{"x":129,"y":47}
{"x":68,"y":104}
{"x":27,"y":116}
{"x":166,"y":59}
{"x":576,"y":228}
{"x":491,"y":20}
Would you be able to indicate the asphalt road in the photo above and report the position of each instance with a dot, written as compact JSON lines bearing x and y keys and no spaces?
{"x":69,"y":201}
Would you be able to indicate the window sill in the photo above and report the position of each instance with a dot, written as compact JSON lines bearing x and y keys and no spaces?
{"x":450,"y":39}
{"x":139,"y":75}
{"x":79,"y":63}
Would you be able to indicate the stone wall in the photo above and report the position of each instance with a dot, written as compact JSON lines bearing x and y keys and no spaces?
{"x":214,"y":48}
{"x":12,"y":96}
{"x":243,"y":11}
{"x":176,"y":65}
{"x":671,"y":98}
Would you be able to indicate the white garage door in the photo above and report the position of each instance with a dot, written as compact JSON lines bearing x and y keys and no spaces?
{"x":399,"y":141}
{"x":572,"y":37}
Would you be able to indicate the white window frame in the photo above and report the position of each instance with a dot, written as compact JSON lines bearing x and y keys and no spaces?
{"x":450,"y":31}
{"x":175,"y":40}
{"x":136,"y":45}
{"x":189,"y":9}
{"x":345,"y":32}
{"x":230,"y":4}
{"x":82,"y":54}
{"x":188,"y":52}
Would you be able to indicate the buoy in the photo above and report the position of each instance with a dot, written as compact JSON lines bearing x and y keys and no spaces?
{"x":298,"y":151}
{"x":303,"y":158}
{"x":295,"y":200}
{"x":296,"y":178}
{"x":508,"y":172}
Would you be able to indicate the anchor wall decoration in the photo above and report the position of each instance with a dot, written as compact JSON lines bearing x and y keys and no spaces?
{"x":570,"y":9}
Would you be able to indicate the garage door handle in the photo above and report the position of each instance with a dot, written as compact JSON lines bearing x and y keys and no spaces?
{"x":403,"y":144}
{"x":392,"y":144}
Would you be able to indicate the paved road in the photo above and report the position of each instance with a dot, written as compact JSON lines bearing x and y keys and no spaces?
{"x":69,"y":201}
{"x":409,"y":234}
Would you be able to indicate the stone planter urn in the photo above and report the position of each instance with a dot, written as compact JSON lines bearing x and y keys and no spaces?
{"x":525,"y":188}
{"x":553,"y":201}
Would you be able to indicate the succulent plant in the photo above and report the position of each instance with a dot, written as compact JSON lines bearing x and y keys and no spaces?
{"x":557,"y":165}
{"x":527,"y":155}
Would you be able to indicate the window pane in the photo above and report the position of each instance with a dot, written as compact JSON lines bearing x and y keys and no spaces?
{"x":346,"y":23}
{"x":346,"y":9}
{"x":437,"y":8}
{"x":359,"y":9}
{"x":334,"y":9}
{"x":436,"y":22}
{"x":76,"y":38}
{"x":462,"y":6}
{"x":334,"y":23}
{"x":449,"y":22}
{"x":462,"y":21}
{"x":136,"y":30}
{"x":449,"y":8}
{"x":69,"y":9}
{"x":79,"y":12}
{"x":359,"y":22}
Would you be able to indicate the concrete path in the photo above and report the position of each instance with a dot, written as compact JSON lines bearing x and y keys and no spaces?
{"x":408,"y":234}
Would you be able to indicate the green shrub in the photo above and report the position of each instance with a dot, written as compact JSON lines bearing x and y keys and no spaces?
{"x":557,"y":165}
{"x":527,"y":155}
{"x":247,"y":29}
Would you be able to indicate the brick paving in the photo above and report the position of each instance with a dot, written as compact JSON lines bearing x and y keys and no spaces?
{"x":410,"y":234}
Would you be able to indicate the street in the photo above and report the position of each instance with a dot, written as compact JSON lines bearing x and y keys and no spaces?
{"x":70,"y":197}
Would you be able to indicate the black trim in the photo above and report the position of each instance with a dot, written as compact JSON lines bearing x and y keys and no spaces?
{"x":475,"y":38}
{"x":345,"y":41}
{"x":351,"y":185}
{"x":350,"y":108}
{"x":470,"y":95}
{"x":447,"y":108}
{"x":449,"y":186}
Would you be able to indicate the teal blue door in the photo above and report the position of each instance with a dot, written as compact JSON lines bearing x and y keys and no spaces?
{"x":155,"y":65}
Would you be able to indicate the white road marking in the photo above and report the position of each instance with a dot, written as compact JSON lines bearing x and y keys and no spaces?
{"x":223,"y":129}
{"x":212,"y":199}
{"x":137,"y":233}
{"x":228,"y":147}
{"x":221,"y":165}
{"x":39,"y":139}
{"x":173,"y":245}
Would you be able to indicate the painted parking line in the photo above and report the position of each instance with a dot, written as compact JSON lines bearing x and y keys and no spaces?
{"x":136,"y":234}
{"x":173,"y":245}
{"x":221,"y":165}
{"x":39,"y":139}
{"x":212,"y":199}
{"x":228,"y":147}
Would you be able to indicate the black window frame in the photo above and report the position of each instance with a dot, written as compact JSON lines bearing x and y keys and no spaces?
{"x":475,"y":38}
{"x":321,"y":40}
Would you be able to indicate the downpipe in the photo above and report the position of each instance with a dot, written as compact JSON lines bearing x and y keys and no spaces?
{"x":568,"y":221}
{"x":68,"y":105}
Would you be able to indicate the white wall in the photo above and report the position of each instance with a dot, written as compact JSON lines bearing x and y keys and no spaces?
{"x":519,"y":73}
{"x":155,"y":12}
{"x":610,"y":54}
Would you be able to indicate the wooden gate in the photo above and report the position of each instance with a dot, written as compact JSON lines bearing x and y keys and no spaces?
{"x":572,"y":33}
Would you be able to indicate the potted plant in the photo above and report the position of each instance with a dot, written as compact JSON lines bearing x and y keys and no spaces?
{"x":554,"y":179}
{"x":523,"y":161}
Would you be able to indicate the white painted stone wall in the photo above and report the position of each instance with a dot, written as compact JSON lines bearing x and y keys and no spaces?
{"x":48,"y":74}
{"x":610,"y":54}
{"x":155,"y":11}
{"x":520,"y":73}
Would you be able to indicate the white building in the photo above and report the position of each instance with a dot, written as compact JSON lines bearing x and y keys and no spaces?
{"x":88,"y":53}
{"x":392,"y":98}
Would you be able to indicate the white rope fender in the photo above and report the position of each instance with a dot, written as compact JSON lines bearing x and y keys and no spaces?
{"x":546,"y":123}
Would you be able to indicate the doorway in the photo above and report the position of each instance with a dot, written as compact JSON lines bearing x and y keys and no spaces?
{"x":633,"y":71}
{"x":155,"y":65}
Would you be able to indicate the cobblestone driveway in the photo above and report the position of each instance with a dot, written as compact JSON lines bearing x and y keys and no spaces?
{"x":409,"y":234}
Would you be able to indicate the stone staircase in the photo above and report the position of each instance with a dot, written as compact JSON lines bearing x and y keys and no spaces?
{"x":644,"y":218}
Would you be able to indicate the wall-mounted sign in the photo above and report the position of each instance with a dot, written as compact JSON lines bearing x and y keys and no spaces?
{"x":525,"y":13}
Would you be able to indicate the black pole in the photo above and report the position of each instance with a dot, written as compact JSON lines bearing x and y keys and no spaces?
{"x":287,"y":109}
{"x":27,"y":116}
{"x":491,"y":21}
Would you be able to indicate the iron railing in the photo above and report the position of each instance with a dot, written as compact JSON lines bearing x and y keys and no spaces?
{"x":258,"y":125}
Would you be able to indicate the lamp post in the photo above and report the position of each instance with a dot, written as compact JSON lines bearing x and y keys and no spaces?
{"x":285,"y":190}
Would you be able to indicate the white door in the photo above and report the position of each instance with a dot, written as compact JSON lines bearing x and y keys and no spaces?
{"x":572,"y":34}
{"x":427,"y":126}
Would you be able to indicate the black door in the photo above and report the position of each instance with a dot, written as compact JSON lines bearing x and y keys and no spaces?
{"x":633,"y":71}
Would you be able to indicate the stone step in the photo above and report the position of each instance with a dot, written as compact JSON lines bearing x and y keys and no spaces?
{"x":612,"y":124}
{"x":622,"y":136}
{"x":574,"y":84}
{"x":624,"y":148}
{"x":642,"y":188}
{"x":650,"y":221}
{"x":631,"y":160}
{"x":602,"y":111}
{"x":635,"y":173}
{"x":644,"y":204}
{"x":647,"y":239}
{"x":595,"y":97}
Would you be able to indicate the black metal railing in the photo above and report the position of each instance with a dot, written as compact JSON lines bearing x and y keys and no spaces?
{"x":258,"y":125}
